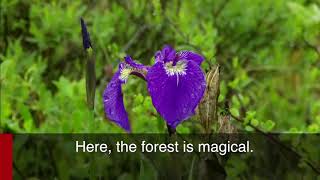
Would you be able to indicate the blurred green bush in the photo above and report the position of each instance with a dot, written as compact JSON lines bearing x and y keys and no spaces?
{"x":268,"y":52}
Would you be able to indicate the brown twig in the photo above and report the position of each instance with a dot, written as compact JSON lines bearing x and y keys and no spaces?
{"x":136,"y":36}
{"x":276,"y":141}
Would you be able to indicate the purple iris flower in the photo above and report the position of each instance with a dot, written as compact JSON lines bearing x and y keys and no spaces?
{"x":176,"y":85}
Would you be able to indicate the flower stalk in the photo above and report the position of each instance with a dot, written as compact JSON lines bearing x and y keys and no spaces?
{"x":90,"y":65}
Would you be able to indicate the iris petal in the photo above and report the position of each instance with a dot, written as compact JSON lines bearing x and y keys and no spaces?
{"x":132,"y":63}
{"x":166,"y":54}
{"x":190,"y":56}
{"x":176,"y":102}
{"x":113,"y":103}
{"x":112,"y":95}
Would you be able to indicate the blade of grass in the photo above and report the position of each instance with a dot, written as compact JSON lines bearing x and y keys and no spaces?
{"x":190,"y":177}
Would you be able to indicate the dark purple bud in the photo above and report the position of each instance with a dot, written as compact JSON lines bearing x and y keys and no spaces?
{"x":85,"y":35}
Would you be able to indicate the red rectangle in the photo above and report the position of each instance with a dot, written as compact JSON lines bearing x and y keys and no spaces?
{"x":5,"y":157}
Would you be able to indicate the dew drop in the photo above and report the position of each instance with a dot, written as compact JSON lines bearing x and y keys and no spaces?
{"x":111,"y":112}
{"x":106,"y":98}
{"x":113,"y":85}
{"x":184,"y":110}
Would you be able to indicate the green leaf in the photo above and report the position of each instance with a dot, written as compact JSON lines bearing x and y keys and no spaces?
{"x":268,"y":125}
{"x":27,"y":118}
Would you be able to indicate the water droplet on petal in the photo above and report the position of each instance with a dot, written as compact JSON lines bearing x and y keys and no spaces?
{"x":184,"y":110}
{"x":110,"y":111}
{"x":113,"y":85}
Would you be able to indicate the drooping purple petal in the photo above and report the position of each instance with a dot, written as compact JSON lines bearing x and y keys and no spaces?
{"x":190,"y":56}
{"x":112,"y":95}
{"x":165,"y":55}
{"x":133,"y":63}
{"x":113,"y":103}
{"x":176,"y":93}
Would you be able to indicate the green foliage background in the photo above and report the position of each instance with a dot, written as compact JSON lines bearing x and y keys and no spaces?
{"x":268,"y":52}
